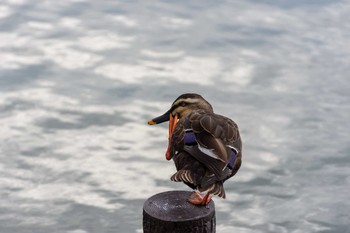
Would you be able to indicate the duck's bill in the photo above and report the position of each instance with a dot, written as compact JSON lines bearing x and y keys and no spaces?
{"x":163,"y":118}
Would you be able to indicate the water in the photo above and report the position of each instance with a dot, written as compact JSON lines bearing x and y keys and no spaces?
{"x":80,"y":79}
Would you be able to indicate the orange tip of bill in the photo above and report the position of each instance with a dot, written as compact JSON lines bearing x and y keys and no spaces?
{"x":151,"y":122}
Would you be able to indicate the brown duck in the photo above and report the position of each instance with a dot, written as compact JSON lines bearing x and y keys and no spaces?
{"x":206,"y":147}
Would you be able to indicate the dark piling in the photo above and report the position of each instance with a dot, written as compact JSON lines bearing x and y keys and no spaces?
{"x":171,"y":213}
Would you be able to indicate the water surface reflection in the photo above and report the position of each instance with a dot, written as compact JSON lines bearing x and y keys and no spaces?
{"x":80,"y":79}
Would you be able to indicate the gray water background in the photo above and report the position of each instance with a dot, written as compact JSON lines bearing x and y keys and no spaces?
{"x":79,"y":80}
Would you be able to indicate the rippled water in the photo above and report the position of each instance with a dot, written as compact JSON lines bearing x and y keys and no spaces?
{"x":79,"y":80}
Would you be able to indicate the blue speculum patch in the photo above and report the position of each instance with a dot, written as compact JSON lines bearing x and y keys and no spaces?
{"x":190,"y":138}
{"x":233,"y":156}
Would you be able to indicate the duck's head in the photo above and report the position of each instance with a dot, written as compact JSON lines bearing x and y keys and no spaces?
{"x":182,"y":107}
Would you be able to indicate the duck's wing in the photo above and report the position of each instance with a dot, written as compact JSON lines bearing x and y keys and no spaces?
{"x":219,"y":143}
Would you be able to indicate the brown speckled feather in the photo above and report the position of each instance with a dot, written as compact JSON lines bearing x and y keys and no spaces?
{"x":214,"y":134}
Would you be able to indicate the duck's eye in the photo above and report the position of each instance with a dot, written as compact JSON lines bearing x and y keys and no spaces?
{"x":183,"y":104}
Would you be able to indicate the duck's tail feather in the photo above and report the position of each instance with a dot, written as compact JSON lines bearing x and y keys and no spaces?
{"x":184,"y":176}
{"x":215,"y":189}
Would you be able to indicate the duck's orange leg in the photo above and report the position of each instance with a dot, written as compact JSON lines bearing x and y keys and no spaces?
{"x":198,"y":199}
{"x":195,"y":198}
{"x":172,"y":124}
{"x":207,"y":198}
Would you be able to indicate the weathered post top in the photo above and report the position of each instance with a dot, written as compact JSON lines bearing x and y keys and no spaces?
{"x":170,"y":212}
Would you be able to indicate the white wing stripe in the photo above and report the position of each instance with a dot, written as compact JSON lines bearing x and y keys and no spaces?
{"x":209,"y":152}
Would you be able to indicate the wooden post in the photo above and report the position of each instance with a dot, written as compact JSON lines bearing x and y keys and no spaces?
{"x":169,"y":212}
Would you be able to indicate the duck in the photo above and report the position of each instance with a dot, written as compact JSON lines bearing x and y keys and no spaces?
{"x":206,"y":147}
